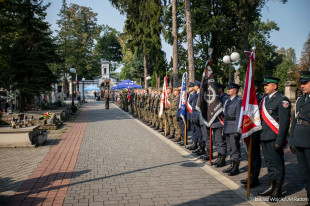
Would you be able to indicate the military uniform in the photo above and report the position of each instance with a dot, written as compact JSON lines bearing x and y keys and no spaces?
{"x":232,"y":108}
{"x":275,"y":110}
{"x":189,"y":110}
{"x":300,"y":134}
{"x":176,"y":127}
{"x":106,"y":99}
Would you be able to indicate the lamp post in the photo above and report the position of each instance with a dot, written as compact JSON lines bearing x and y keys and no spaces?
{"x":231,"y":55}
{"x":83,"y":79}
{"x":72,"y":70}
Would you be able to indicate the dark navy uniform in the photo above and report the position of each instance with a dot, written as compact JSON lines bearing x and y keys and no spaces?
{"x":232,"y":108}
{"x":300,"y":134}
{"x":276,"y":109}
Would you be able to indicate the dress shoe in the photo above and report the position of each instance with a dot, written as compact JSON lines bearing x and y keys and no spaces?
{"x":201,"y":151}
{"x":235,"y":170}
{"x":193,"y":146}
{"x":217,"y":160}
{"x":269,"y":191}
{"x":170,"y":136}
{"x":181,"y":143}
{"x":244,"y":181}
{"x":196,"y":151}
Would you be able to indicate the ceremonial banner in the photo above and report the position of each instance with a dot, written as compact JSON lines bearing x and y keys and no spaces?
{"x":209,"y":103}
{"x":164,"y":101}
{"x":128,"y":94}
{"x":249,"y":120}
{"x":183,"y":97}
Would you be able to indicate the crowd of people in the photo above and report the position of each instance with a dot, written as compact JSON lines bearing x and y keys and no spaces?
{"x":275,"y":109}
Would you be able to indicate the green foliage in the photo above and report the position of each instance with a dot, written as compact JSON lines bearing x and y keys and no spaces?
{"x":76,"y":40}
{"x":288,"y":64}
{"x":108,"y":46}
{"x":26,"y":47}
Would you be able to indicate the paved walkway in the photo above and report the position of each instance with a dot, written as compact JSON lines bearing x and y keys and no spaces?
{"x":109,"y":158}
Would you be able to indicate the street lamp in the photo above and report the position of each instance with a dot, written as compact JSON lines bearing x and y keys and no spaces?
{"x":83,"y":79}
{"x":73,"y":71}
{"x":231,"y":55}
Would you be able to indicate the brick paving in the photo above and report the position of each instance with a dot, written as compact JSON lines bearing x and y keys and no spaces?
{"x":48,"y":183}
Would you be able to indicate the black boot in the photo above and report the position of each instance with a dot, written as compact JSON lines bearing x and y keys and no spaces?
{"x":269,"y":191}
{"x":277,"y":192}
{"x":217,"y":160}
{"x":193,"y":146}
{"x":227,"y":170}
{"x":201,"y":150}
{"x":221,"y":162}
{"x":235,"y":170}
{"x":206,"y":156}
{"x":197,"y":149}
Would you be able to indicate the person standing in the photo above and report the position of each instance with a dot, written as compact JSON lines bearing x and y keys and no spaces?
{"x":106,"y":99}
{"x":275,"y":112}
{"x":300,"y":131}
{"x":232,"y":109}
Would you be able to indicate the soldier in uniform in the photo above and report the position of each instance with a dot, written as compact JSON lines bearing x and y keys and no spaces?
{"x":256,"y":160}
{"x":106,"y":98}
{"x":232,"y":109}
{"x":168,"y":114}
{"x":275,"y":112}
{"x":197,"y":123}
{"x":300,"y":131}
{"x":189,"y":108}
{"x":174,"y":108}
{"x":160,"y":118}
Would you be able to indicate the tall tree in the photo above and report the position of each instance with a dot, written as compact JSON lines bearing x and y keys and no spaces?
{"x":28,"y":47}
{"x":175,"y":44}
{"x":190,"y":46}
{"x":76,"y":37}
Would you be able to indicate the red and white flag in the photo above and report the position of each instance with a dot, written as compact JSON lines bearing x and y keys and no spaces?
{"x":249,"y":120}
{"x":164,"y":100}
{"x":128,"y":94}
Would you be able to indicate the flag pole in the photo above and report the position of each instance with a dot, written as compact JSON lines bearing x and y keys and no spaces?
{"x":185,"y":118}
{"x":250,"y":142}
{"x":210,"y":144}
{"x":165,"y":105}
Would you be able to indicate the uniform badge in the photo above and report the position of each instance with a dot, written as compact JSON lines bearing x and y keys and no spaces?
{"x":285,"y":104}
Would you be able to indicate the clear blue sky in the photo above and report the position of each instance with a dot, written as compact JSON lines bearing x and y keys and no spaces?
{"x":293,"y":19}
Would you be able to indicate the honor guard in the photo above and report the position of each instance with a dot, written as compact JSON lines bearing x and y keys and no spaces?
{"x":106,"y":99}
{"x":300,"y":131}
{"x":196,"y":122}
{"x":189,"y":108}
{"x":275,"y":116}
{"x":232,"y":109}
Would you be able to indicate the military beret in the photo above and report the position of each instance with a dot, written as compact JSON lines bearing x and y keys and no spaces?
{"x":270,"y":79}
{"x":232,"y":85}
{"x":218,"y":85}
{"x":304,"y":76}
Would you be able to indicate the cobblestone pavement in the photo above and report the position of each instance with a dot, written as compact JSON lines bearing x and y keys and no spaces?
{"x":121,"y":162}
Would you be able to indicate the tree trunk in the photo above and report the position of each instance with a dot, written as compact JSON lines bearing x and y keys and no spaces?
{"x":175,"y":44}
{"x":145,"y":70}
{"x":191,"y":67}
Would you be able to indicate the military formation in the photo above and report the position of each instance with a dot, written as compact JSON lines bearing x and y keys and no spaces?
{"x":275,"y":110}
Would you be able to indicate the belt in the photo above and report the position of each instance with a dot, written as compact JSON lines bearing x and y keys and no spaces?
{"x":230,"y":118}
{"x":303,"y":122}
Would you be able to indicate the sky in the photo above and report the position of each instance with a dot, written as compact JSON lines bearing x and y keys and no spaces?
{"x":293,"y":19}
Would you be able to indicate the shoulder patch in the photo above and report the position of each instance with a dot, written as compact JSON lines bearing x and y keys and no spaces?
{"x":285,"y":104}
